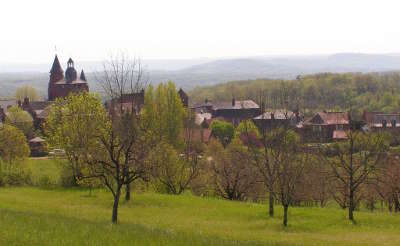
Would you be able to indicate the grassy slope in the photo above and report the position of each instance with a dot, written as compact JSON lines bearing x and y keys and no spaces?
{"x":33,"y":216}
{"x":54,"y":217}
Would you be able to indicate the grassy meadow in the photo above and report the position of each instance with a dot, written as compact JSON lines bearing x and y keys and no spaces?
{"x":60,"y":216}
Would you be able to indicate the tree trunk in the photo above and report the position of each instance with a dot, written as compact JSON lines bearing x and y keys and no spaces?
{"x":115,"y":206}
{"x":351,"y":205}
{"x":128,"y":192}
{"x":396,"y":205}
{"x":271,"y":203}
{"x":285,"y":211}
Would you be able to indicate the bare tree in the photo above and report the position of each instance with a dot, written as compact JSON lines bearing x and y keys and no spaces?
{"x":123,"y":81}
{"x":289,"y":159}
{"x":387,"y":183}
{"x":353,"y":161}
{"x":262,"y":155}
{"x":121,"y":157}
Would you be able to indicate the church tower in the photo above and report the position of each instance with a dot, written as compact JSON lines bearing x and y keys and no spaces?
{"x":61,"y":85}
{"x":70,"y":73}
{"x":56,"y":74}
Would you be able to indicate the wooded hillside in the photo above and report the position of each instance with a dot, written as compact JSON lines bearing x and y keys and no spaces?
{"x":372,"y":91}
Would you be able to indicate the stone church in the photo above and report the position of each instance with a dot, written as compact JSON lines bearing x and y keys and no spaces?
{"x":61,"y":85}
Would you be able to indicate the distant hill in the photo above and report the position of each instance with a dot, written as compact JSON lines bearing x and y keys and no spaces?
{"x":199,"y":72}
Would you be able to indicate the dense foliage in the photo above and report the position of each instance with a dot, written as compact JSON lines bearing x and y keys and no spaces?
{"x":13,"y":144}
{"x":20,"y":119}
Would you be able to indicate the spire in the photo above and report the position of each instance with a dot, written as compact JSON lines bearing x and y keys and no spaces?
{"x":82,"y":77}
{"x":70,"y":62}
{"x":56,"y":67}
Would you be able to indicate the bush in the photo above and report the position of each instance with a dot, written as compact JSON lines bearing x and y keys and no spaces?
{"x":45,"y":182}
{"x":15,"y":178}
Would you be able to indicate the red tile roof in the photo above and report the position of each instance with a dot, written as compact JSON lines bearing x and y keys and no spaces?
{"x":329,"y":118}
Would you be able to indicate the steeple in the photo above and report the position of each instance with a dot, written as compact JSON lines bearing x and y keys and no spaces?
{"x":70,"y":73}
{"x":56,"y":72}
{"x":184,"y":97}
{"x":70,"y":62}
{"x":82,"y":77}
{"x":56,"y":67}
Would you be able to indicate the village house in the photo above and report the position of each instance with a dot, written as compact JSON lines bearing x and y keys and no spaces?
{"x":380,"y":120}
{"x":277,"y":118}
{"x":325,"y":127}
{"x":133,"y":102}
{"x":234,"y":111}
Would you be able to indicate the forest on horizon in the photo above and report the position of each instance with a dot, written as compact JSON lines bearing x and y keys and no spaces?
{"x":310,"y":93}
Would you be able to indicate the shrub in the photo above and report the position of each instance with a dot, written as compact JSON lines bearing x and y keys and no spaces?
{"x":15,"y":178}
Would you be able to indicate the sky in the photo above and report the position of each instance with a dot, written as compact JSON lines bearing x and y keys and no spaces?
{"x":32,"y":31}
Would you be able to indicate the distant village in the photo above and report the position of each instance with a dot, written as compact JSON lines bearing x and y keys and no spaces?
{"x":322,"y":127}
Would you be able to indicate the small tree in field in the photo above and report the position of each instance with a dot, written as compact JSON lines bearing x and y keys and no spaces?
{"x":233,"y":173}
{"x":171,"y":169}
{"x":13,"y":145}
{"x":289,"y":159}
{"x":123,"y":139}
{"x":354,"y":161}
{"x":124,"y":77}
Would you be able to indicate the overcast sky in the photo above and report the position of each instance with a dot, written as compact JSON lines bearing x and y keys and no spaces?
{"x":174,"y":29}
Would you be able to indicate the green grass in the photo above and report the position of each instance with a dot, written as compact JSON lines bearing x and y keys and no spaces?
{"x":69,"y":217}
{"x":40,"y":168}
{"x":34,"y":216}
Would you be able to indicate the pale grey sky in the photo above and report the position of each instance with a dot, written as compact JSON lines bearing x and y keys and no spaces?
{"x":174,"y":29}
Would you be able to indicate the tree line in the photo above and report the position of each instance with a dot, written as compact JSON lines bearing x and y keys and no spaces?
{"x":325,"y":91}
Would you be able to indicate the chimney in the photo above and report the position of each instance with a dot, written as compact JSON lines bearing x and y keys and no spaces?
{"x":233,"y":102}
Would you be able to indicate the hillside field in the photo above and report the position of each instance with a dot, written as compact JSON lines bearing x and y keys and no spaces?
{"x":59,"y":216}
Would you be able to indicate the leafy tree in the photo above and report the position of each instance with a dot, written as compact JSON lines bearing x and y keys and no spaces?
{"x":72,"y":125}
{"x":27,"y":91}
{"x":246,"y":127}
{"x":233,"y":174}
{"x":171,"y":169}
{"x":164,"y":113}
{"x":20,"y":119}
{"x":223,"y":131}
{"x":13,"y":144}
